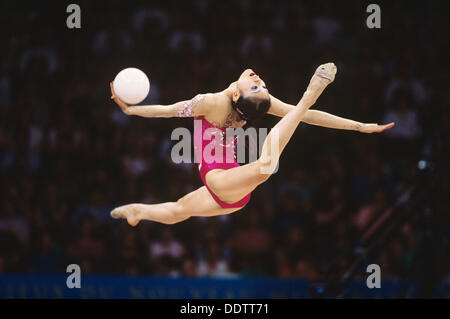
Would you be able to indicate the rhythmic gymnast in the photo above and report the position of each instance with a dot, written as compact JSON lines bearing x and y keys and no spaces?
{"x":228,"y":185}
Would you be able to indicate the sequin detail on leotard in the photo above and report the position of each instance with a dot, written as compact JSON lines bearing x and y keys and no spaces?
{"x":188,"y":106}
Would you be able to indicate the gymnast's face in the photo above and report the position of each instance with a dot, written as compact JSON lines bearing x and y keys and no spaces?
{"x":250,"y":84}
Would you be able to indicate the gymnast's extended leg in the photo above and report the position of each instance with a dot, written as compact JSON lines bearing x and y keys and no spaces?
{"x":233,"y":184}
{"x":197,"y":203}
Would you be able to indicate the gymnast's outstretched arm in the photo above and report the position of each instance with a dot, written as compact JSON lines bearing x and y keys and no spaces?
{"x":320,"y":118}
{"x":186,"y":108}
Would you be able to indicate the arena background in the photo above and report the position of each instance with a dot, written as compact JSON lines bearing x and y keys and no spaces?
{"x":340,"y":201}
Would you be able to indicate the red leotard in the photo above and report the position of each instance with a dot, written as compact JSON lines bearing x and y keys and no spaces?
{"x":208,"y":159}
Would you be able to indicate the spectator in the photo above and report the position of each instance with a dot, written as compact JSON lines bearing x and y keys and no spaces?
{"x":47,"y":259}
{"x":213,"y":264}
{"x":10,"y":221}
{"x":377,"y":208}
{"x":86,"y":245}
{"x":407,"y":125}
{"x":168,"y":250}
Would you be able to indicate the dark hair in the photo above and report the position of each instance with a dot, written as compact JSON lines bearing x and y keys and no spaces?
{"x":251,"y":108}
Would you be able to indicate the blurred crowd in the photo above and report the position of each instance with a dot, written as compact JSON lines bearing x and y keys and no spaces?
{"x":68,"y":155}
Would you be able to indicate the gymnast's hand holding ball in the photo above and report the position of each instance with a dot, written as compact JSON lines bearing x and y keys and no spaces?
{"x":130,"y":86}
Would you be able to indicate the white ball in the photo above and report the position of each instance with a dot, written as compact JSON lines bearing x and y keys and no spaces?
{"x":131,"y":85}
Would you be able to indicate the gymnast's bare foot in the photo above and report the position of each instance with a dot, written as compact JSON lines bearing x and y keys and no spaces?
{"x":127,"y":213}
